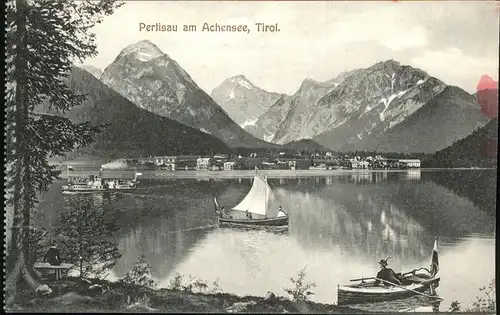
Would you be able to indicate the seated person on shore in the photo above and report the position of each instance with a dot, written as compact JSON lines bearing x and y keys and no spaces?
{"x":248,"y":215}
{"x":53,"y":257}
{"x":386,"y":274}
{"x":281,"y":213}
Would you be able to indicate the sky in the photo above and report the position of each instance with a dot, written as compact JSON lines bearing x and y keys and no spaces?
{"x":456,"y":42}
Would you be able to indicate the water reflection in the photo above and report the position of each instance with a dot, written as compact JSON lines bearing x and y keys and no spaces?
{"x":355,"y":222}
{"x":411,"y":175}
{"x":340,"y":226}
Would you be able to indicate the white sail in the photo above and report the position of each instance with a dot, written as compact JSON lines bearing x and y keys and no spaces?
{"x":258,"y":197}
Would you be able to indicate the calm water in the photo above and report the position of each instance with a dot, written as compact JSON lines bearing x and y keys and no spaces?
{"x":340,"y":226}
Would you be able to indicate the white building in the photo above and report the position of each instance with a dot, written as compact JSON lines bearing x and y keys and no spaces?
{"x":228,"y":166}
{"x":169,"y":162}
{"x":202,"y":163}
{"x":412,"y":163}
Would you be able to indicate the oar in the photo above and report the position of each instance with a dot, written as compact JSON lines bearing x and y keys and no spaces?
{"x":362,"y":279}
{"x":404,"y":274}
{"x":411,"y":290}
{"x":414,"y":270}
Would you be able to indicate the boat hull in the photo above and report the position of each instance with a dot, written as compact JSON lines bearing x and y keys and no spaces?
{"x":279,"y":221}
{"x":352,"y":294}
{"x":66,"y":189}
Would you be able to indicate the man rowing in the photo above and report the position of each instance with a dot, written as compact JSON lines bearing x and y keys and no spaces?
{"x":386,"y":274}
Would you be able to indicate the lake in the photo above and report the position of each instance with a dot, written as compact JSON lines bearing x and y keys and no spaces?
{"x":340,"y":227}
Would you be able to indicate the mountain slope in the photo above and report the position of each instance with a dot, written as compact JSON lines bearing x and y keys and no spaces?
{"x":242,"y":100}
{"x":266,"y":125}
{"x":96,"y":72}
{"x":133,"y":131}
{"x":153,"y":81}
{"x":305,"y":144}
{"x":450,"y":116}
{"x":300,"y":106}
{"x":369,"y":102}
{"x":476,"y":150}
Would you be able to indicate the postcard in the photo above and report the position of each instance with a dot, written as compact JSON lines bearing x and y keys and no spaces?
{"x":250,"y":156}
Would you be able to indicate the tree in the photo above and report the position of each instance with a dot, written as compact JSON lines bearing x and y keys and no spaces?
{"x":141,"y":274}
{"x":43,"y":39}
{"x":88,"y":237}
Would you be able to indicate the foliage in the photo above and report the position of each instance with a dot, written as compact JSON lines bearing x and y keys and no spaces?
{"x":301,"y":290}
{"x":43,"y":39}
{"x":193,"y":285}
{"x":483,"y":304}
{"x":486,"y":302}
{"x":176,"y":282}
{"x":141,"y":274}
{"x":88,"y":238}
{"x":36,"y":248}
{"x":455,"y":307}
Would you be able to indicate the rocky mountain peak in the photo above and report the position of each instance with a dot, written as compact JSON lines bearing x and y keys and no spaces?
{"x":143,"y":50}
{"x":240,"y":80}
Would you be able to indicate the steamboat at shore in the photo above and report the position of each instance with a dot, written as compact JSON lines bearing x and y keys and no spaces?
{"x":95,"y":183}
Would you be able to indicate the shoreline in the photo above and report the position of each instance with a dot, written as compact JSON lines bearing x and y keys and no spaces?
{"x":91,"y":295}
{"x":235,"y":174}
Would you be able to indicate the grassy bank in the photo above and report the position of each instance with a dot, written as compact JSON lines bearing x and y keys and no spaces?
{"x":75,"y":295}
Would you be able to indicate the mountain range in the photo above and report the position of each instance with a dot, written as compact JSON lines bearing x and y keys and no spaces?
{"x":388,"y":107}
{"x":153,"y":81}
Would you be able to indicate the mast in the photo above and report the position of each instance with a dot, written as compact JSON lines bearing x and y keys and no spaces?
{"x":265,"y":177}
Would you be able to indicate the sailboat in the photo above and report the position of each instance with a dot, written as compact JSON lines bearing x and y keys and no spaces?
{"x":256,"y":203}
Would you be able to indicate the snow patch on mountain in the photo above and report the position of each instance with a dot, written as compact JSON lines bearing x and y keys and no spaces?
{"x":143,"y":51}
{"x":386,"y":102}
{"x":192,"y":112}
{"x":231,"y":94}
{"x":422,"y":81}
{"x":270,"y":137}
{"x":251,"y":122}
{"x":245,"y":84}
{"x":142,"y":56}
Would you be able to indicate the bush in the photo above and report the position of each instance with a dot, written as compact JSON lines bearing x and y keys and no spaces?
{"x":487,"y":302}
{"x":194,"y":285}
{"x":301,"y":291}
{"x":141,"y":274}
{"x":482,"y":304}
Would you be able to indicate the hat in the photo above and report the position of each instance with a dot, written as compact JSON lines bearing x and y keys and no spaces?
{"x":383,"y":262}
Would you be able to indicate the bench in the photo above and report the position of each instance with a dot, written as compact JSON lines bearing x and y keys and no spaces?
{"x":58,"y":269}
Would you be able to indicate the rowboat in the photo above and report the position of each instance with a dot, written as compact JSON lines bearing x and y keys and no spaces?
{"x":256,"y":203}
{"x":414,"y":282}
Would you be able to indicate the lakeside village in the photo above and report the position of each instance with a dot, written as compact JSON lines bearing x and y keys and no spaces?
{"x":280,"y":161}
